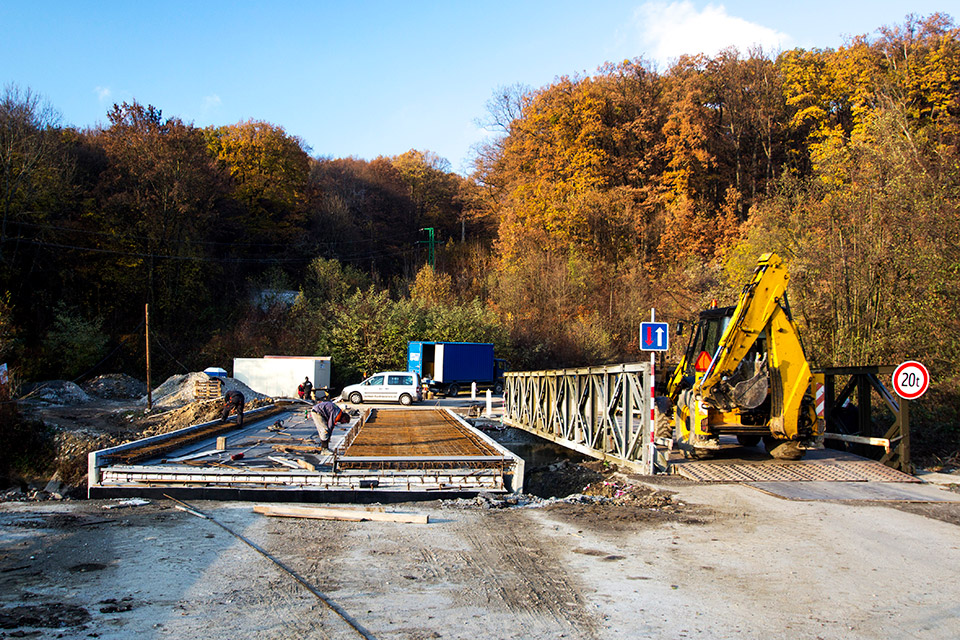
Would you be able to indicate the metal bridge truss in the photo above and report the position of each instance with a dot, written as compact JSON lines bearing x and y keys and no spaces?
{"x":603,"y":412}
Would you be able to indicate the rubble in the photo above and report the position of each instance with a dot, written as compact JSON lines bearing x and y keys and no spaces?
{"x":109,"y":412}
{"x":193,"y":413}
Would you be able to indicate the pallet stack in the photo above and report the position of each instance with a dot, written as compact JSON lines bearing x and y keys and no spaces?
{"x":210,"y":389}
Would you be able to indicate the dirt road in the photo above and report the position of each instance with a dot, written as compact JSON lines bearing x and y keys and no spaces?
{"x":730,"y":562}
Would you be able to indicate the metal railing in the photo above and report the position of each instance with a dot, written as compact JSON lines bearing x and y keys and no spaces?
{"x":603,"y":412}
{"x":852,"y":418}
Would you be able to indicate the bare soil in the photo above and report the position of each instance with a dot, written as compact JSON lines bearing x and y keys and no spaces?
{"x":692,"y":561}
{"x":620,"y":557}
{"x":108,"y":411}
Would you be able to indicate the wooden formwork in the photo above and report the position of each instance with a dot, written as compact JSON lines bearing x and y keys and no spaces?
{"x":393,"y":451}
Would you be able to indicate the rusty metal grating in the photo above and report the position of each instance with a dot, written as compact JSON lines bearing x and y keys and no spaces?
{"x":845,"y":471}
{"x":417,"y":439}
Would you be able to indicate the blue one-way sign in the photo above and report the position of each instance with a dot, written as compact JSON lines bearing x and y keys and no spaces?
{"x":654,"y":336}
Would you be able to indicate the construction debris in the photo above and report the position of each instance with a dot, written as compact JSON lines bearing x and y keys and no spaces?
{"x":132,"y":502}
{"x":327,"y":513}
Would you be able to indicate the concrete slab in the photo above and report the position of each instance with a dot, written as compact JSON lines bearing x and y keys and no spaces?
{"x":935,"y":477}
{"x":872,"y":491}
{"x":281,"y":453}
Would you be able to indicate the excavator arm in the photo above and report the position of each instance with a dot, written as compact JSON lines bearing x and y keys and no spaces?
{"x":761,"y":312}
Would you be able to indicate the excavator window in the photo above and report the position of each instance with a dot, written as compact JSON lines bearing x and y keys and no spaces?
{"x":705,"y":337}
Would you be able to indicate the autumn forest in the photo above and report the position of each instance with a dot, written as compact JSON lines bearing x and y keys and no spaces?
{"x":595,"y":199}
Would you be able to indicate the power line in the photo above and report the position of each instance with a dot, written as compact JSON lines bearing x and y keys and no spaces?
{"x":215,"y":243}
{"x":353,"y":257}
{"x":108,"y":356}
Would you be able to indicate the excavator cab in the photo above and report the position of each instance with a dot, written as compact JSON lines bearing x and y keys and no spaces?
{"x":704,"y":340}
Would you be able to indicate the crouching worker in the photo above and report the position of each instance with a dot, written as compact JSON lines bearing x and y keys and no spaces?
{"x":233,"y":401}
{"x":305,"y":390}
{"x":326,"y":416}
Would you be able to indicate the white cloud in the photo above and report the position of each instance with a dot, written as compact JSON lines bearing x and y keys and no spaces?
{"x":211,"y":102}
{"x":103,"y":94}
{"x":668,"y":31}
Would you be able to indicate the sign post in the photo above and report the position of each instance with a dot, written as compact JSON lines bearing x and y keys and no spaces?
{"x":911,"y":380}
{"x":654,"y":336}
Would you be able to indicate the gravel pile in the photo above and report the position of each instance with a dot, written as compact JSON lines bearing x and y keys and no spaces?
{"x":179,"y":390}
{"x":115,"y":386}
{"x":59,"y":392}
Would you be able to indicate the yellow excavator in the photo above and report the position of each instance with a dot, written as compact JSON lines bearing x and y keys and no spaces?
{"x":744,"y":373}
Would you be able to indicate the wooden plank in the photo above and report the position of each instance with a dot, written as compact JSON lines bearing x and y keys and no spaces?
{"x":192,"y":456}
{"x":303,"y":464}
{"x":325,"y":513}
{"x":285,"y":462}
{"x":293,"y":448}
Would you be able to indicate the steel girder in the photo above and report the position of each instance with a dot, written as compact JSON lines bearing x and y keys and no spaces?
{"x":602,"y":412}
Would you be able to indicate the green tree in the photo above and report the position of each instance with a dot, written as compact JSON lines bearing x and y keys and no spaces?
{"x":369,"y":333}
{"x":74,"y":343}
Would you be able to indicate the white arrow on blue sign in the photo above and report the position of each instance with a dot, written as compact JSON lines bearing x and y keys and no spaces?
{"x":654,"y":336}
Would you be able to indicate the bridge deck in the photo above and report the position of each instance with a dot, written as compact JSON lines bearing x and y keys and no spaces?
{"x":390,"y":450}
{"x":414,"y":432}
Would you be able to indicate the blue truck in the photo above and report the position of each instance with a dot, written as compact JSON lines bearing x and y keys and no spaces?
{"x":448,"y":367}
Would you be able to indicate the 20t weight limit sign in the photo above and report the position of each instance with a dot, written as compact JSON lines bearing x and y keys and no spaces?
{"x":910,"y":380}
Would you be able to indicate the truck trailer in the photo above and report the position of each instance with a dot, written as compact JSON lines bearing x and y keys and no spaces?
{"x":448,"y":367}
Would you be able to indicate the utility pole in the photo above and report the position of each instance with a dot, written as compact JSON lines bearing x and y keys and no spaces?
{"x":146,"y":322}
{"x":432,"y":258}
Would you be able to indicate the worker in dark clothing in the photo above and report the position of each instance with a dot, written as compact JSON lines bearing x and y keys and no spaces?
{"x":305,"y":390}
{"x":233,"y":401}
{"x":326,"y":416}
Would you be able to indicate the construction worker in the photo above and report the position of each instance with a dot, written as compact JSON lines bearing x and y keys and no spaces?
{"x":233,"y":401}
{"x":305,"y":390}
{"x":326,"y":416}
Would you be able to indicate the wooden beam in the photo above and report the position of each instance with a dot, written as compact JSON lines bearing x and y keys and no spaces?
{"x":284,"y":462}
{"x":326,"y":513}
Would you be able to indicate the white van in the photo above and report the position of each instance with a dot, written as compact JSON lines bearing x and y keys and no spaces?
{"x":386,"y":386}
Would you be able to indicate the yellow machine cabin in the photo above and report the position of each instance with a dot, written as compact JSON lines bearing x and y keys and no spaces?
{"x":744,"y":373}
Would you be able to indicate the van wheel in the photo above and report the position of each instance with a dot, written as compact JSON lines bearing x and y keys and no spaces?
{"x":498,"y":389}
{"x":453,"y":391}
{"x":356,"y":398}
{"x":406,"y":400}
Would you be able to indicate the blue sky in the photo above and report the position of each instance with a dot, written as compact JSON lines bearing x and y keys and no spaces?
{"x":356,"y":78}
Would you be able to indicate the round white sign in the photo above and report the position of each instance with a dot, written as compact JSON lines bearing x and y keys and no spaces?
{"x":911,"y":380}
